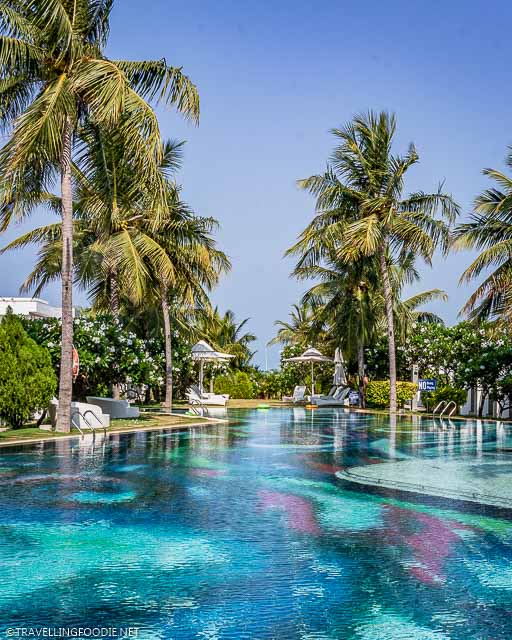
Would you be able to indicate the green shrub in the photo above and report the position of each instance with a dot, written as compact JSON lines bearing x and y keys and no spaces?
{"x":237,"y":385}
{"x":377,"y":392}
{"x":445,"y":393}
{"x":274,"y":384}
{"x":27,"y":379}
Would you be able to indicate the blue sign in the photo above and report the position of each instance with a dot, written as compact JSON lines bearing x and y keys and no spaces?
{"x":427,"y":384}
{"x":353,"y":397}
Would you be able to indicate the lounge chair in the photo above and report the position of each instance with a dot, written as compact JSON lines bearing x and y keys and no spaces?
{"x":83,"y":415}
{"x":337,"y":399}
{"x":115,"y":408}
{"x":298,"y":395}
{"x":195,"y":397}
{"x":332,"y":392}
{"x":208,"y":394}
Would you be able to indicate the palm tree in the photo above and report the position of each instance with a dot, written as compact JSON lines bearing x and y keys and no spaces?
{"x":490,"y":231}
{"x":349,"y":305}
{"x":408,"y":311}
{"x":362,"y":211}
{"x":298,"y":330}
{"x":197,"y":266}
{"x":55,"y":76}
{"x":227,"y":335}
{"x":130,"y":254}
{"x":346,"y":302}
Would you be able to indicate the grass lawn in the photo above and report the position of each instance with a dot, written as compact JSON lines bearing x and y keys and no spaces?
{"x":253,"y":403}
{"x":144,"y":422}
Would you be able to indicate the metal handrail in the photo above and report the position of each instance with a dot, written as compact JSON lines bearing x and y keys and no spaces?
{"x":83,"y":416}
{"x":442,"y":402}
{"x":446,"y":409}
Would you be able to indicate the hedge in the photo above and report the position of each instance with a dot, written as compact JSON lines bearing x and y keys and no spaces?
{"x":237,"y":385}
{"x":27,"y":380}
{"x":378,"y":391}
{"x":446,"y":393}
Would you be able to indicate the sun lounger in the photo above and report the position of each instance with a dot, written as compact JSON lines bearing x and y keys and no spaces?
{"x":298,"y":395}
{"x":338,"y":398}
{"x":85,"y":416}
{"x":115,"y":408}
{"x":195,"y":397}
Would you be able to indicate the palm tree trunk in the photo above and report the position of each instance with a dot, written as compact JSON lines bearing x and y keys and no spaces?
{"x":360,"y":373}
{"x":66,"y":351}
{"x":388,"y":298}
{"x":481,"y":403}
{"x":168,"y":348}
{"x":114,"y":307}
{"x":114,"y":294}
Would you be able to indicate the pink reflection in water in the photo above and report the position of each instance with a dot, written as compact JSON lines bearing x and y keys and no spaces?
{"x":206,"y":473}
{"x":431,"y":546}
{"x":299,"y":512}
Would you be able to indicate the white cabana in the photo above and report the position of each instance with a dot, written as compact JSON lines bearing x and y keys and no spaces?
{"x":203,"y":352}
{"x":340,"y":376}
{"x":310,"y":355}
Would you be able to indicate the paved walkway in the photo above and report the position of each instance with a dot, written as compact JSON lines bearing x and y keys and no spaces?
{"x":486,"y":480}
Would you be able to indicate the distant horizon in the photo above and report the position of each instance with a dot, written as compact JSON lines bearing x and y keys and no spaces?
{"x":272,"y":89}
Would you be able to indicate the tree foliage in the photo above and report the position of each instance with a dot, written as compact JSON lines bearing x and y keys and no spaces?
{"x":27,"y":378}
{"x":236,"y":384}
{"x":378,"y":392}
{"x":110,"y":353}
{"x":363,"y":218}
{"x":489,"y":230}
{"x":465,"y":356}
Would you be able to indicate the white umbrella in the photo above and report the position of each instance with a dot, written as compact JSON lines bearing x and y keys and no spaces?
{"x":203,"y":352}
{"x":310,"y":355}
{"x":340,"y":377}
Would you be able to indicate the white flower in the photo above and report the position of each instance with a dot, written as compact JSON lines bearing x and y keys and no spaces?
{"x":50,"y":345}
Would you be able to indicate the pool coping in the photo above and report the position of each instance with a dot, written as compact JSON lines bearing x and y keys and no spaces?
{"x":357,"y":476}
{"x":119,"y":431}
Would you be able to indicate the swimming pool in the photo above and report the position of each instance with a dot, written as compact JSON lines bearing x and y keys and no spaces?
{"x":242,"y":531}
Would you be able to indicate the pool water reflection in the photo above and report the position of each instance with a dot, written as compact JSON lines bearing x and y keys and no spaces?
{"x":242,"y":531}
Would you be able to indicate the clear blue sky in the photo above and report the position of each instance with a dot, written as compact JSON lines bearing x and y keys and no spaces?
{"x":274,"y":77}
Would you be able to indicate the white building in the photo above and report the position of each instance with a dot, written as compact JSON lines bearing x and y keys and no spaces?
{"x":29,"y":307}
{"x":490,"y":408}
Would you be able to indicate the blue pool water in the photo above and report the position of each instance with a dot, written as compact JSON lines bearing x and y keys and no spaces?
{"x":241,"y":531}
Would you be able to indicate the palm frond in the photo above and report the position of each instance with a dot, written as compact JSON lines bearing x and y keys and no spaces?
{"x":157,"y":80}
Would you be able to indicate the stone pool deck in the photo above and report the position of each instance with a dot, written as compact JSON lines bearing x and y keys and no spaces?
{"x":146,"y":422}
{"x":486,"y":480}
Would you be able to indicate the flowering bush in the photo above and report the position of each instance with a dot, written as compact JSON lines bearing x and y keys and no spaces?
{"x":464,"y":356}
{"x":377,"y":361}
{"x":109,"y":354}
